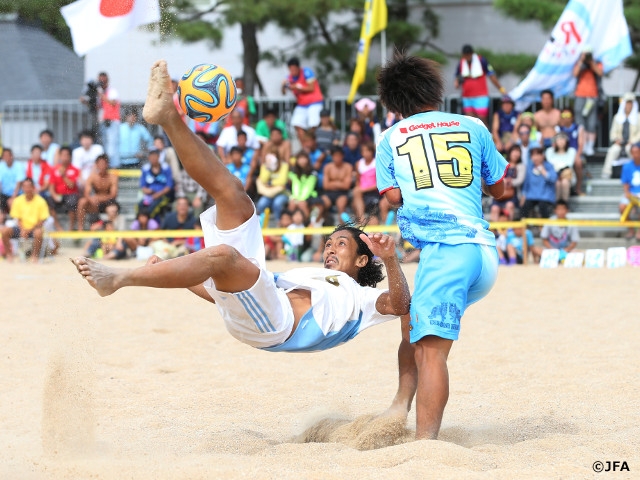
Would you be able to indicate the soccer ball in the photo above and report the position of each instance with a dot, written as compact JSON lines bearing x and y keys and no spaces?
{"x":207,"y":93}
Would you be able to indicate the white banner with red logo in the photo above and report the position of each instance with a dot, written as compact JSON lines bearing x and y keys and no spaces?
{"x":93,"y":22}
{"x":598,"y":24}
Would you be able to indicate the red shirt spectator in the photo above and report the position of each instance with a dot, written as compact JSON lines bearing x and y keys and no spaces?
{"x":64,"y":179}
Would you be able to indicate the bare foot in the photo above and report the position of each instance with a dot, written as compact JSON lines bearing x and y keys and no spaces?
{"x":396,"y":410}
{"x":99,"y":276}
{"x":159,"y":106}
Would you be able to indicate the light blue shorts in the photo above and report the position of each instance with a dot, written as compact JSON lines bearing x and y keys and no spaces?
{"x":449,"y":279}
{"x":478,"y":105}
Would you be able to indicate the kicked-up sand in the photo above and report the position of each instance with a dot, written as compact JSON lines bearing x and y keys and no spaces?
{"x":147,"y":384}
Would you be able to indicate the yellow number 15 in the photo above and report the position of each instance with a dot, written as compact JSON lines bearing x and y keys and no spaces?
{"x":453,"y":163}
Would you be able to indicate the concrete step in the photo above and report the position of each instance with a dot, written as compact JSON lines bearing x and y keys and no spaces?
{"x":605,"y":188}
{"x":595,"y":204}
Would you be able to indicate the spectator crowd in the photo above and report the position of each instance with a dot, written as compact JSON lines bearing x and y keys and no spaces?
{"x":301,"y":173}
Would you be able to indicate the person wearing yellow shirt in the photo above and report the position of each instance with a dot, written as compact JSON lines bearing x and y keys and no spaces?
{"x":30,"y":210}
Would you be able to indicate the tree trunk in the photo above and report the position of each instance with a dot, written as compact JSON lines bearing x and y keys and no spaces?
{"x":251,"y":57}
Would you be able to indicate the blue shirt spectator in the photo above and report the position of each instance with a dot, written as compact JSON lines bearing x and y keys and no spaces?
{"x":134,"y":140}
{"x":538,"y":186}
{"x":11,"y":173}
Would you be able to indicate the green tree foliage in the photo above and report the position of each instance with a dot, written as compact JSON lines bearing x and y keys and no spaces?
{"x":45,"y":14}
{"x":502,"y":63}
{"x":547,"y":13}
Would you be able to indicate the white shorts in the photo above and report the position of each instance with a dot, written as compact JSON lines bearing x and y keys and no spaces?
{"x":262,"y":315}
{"x":307,"y":116}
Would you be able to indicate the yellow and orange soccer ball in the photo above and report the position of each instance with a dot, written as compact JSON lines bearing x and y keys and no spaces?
{"x":207,"y":93}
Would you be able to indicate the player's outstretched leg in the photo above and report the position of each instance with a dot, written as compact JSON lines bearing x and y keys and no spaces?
{"x":407,"y":375}
{"x":230,"y":271}
{"x":234,"y":207}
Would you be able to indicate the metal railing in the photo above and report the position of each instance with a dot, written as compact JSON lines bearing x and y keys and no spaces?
{"x":22,"y":121}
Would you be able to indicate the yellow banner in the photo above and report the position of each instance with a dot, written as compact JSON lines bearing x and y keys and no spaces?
{"x":373,"y":22}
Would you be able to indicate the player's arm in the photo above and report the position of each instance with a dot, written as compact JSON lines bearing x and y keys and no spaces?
{"x":394,"y":197}
{"x":200,"y":291}
{"x":397,"y":299}
{"x":496,"y":190}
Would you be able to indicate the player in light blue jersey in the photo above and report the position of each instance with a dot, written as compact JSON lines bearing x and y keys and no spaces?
{"x":301,"y":310}
{"x":432,"y":166}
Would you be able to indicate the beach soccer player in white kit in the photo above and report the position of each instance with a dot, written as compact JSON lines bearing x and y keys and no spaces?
{"x":303,"y":309}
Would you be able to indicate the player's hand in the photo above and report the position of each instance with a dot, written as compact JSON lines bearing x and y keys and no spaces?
{"x":380,"y":244}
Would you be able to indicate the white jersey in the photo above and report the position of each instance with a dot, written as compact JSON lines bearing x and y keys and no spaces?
{"x":340,"y":309}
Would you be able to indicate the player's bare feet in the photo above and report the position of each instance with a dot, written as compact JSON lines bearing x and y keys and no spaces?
{"x":159,"y":106}
{"x":100,"y":277}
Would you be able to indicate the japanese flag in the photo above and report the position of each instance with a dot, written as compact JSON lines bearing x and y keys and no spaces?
{"x":93,"y":22}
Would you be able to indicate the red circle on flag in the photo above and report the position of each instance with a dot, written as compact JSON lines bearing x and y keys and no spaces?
{"x":115,"y":8}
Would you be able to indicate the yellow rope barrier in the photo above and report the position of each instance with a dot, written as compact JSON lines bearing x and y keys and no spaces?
{"x":327,"y":230}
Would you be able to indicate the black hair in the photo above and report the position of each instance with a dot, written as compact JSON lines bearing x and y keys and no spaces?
{"x":235,"y":148}
{"x":270,"y":111}
{"x":112,"y":202}
{"x":408,"y":85}
{"x":37,"y":145}
{"x":293,"y":62}
{"x":371,"y":274}
{"x":511,"y":149}
{"x":46,"y":132}
{"x":86,"y":133}
{"x":7,"y":149}
{"x":467,"y":49}
{"x":159,"y":137}
{"x":546,"y":90}
{"x":241,"y":132}
{"x":29,"y":179}
{"x":276,"y":129}
{"x":65,"y":148}
{"x":336,"y":149}
{"x":562,"y":203}
{"x":297,"y":170}
{"x":104,"y":157}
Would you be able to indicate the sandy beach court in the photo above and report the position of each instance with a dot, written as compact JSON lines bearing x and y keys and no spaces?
{"x":147,"y":384}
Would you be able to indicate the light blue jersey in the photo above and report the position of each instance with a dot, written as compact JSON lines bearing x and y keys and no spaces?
{"x":437,"y":160}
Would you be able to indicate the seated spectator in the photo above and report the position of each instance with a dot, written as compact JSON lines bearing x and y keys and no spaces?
{"x":84,"y":157}
{"x":503,"y":124}
{"x":116,"y":222}
{"x":156,"y":184}
{"x":99,"y":247}
{"x":513,"y":181}
{"x":519,"y":242}
{"x":63,"y":190}
{"x":143,"y":222}
{"x":630,"y":180}
{"x":337,"y":177}
{"x":562,"y":157}
{"x":39,"y":171}
{"x":356,"y":126}
{"x":30,"y":211}
{"x":366,"y":198}
{"x":135,"y":141}
{"x":273,"y":244}
{"x":264,"y":126}
{"x":303,"y":182}
{"x":539,"y":184}
{"x":100,"y":190}
{"x":229,"y":136}
{"x":318,"y":158}
{"x":272,"y":184}
{"x":50,"y":149}
{"x":184,"y":185}
{"x":527,"y":118}
{"x":239,"y":169}
{"x":11,"y":175}
{"x":195,"y":244}
{"x":575,"y":134}
{"x":625,"y":131}
{"x":565,"y":238}
{"x":179,"y":219}
{"x":547,"y":118}
{"x":351,"y":149}
{"x":294,"y":242}
{"x":278,"y":143}
{"x":524,"y":142}
{"x":366,"y":109}
{"x":327,"y":134}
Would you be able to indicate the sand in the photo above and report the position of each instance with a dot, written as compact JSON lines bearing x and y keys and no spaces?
{"x":147,"y":384}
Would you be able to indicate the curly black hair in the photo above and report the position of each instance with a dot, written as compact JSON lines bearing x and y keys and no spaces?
{"x":372,"y":273}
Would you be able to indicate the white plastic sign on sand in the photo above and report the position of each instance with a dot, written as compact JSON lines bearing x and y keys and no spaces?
{"x":549,"y":258}
{"x":616,"y":257}
{"x":574,"y":260}
{"x":594,"y":258}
